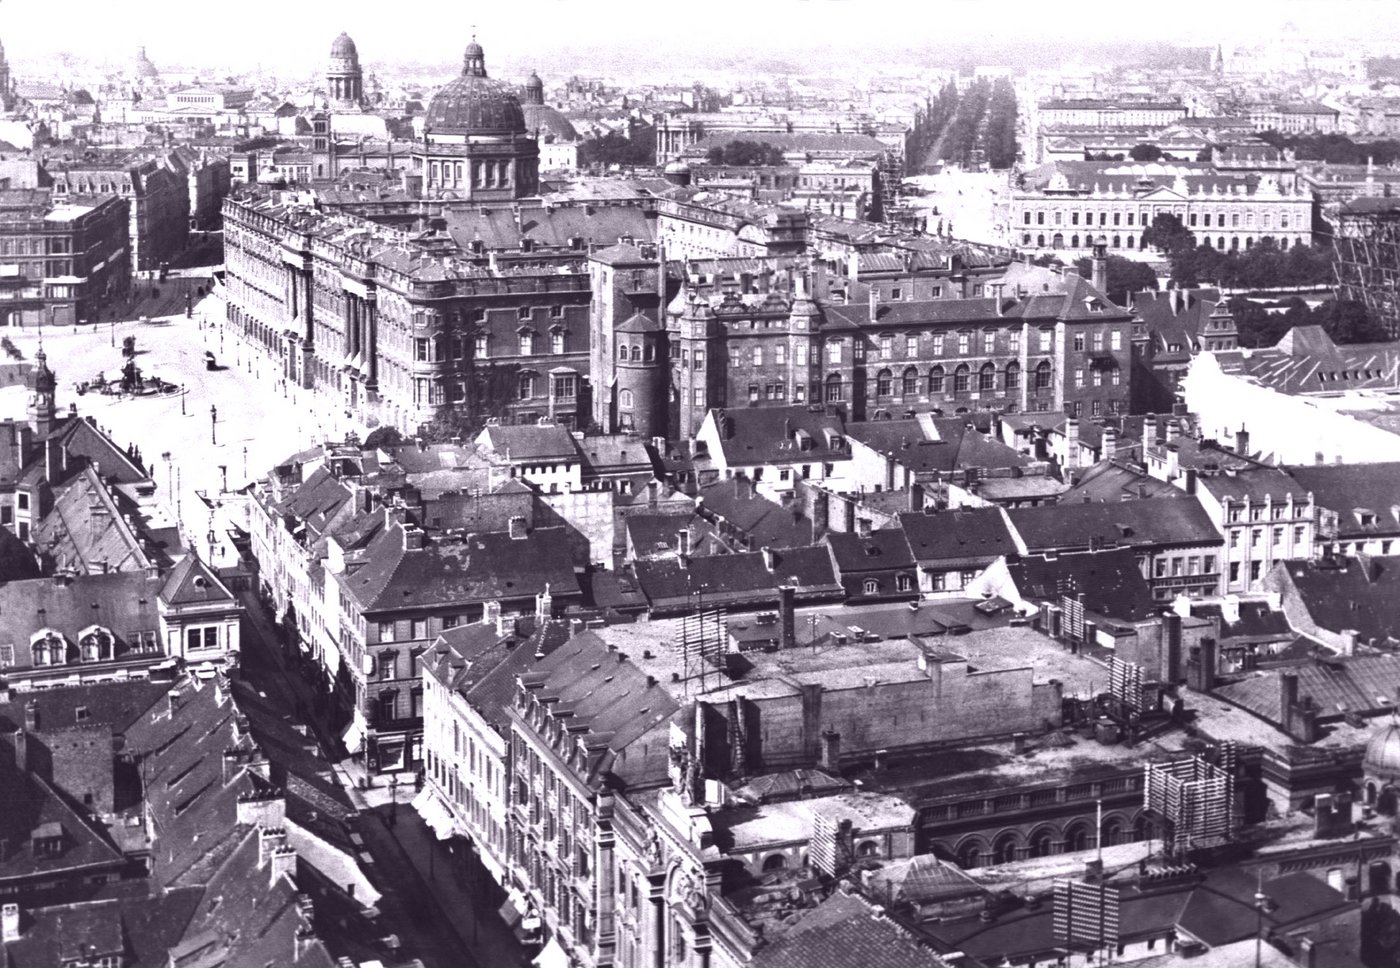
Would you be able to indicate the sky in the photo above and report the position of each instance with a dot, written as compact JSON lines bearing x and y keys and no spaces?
{"x":279,"y":34}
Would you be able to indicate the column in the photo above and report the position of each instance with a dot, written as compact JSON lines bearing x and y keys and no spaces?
{"x":373,"y":354}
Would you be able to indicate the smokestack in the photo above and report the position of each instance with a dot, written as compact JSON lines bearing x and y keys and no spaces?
{"x":830,"y":758}
{"x":787,"y":618}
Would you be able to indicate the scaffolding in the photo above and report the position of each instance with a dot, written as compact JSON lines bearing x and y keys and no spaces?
{"x":1196,"y":798}
{"x":1367,"y":260}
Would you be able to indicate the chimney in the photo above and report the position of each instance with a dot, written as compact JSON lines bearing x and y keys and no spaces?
{"x":9,"y":923}
{"x":1110,"y":442}
{"x":1099,"y":264}
{"x":412,"y":538}
{"x":1201,"y":669}
{"x":1071,"y":442}
{"x":770,"y":559}
{"x":1242,"y":441}
{"x":683,"y":542}
{"x":505,"y":625}
{"x":1348,"y":641}
{"x":996,"y":288}
{"x":830,"y":757}
{"x":31,"y":716}
{"x":282,"y":862}
{"x":544,"y":604}
{"x":270,"y":840}
{"x":874,"y":302}
{"x":1287,"y":699}
{"x":1307,"y":953}
{"x":652,"y":487}
{"x":55,"y":460}
{"x":787,"y":620}
{"x":1173,"y":430}
{"x":518,"y":528}
{"x":491,"y":613}
{"x":916,"y":496}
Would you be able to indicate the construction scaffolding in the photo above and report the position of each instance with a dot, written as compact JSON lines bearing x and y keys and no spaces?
{"x":1367,"y":259}
{"x":1196,"y":798}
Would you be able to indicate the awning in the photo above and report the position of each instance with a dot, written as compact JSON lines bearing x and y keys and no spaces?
{"x":354,"y":736}
{"x":552,"y":956}
{"x":434,"y":813}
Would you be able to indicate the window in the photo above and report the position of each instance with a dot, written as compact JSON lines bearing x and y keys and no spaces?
{"x":964,"y":343}
{"x":1098,"y":341}
{"x":987,"y":378}
{"x":883,"y":384}
{"x":833,"y":388}
{"x":960,"y":378}
{"x":938,"y":344}
{"x":1234,"y":573}
{"x":625,"y":400}
{"x":698,"y":397}
{"x":910,"y":383}
{"x":886,"y":346}
{"x":388,"y":665}
{"x":753,"y":392}
{"x":1047,"y":340}
{"x":1298,"y":539}
{"x":758,"y":356}
{"x":1079,"y":376}
{"x":911,"y":346}
{"x":527,"y":344}
{"x":935,"y":380}
{"x":780,"y":354}
{"x":799,"y":353}
{"x":1079,"y":342}
{"x":1115,"y":340}
{"x":565,"y":386}
{"x":1042,"y":375}
{"x":420,"y":350}
{"x":556,"y":342}
{"x":871,"y":586}
{"x":1013,"y":376}
{"x":526,"y":386}
{"x":386,"y":631}
{"x":833,"y":351}
{"x":419,"y":628}
{"x":903,"y":583}
{"x":1254,"y":535}
{"x":1013,"y":339}
{"x":481,"y":348}
{"x":989,"y":341}
{"x":1278,"y":537}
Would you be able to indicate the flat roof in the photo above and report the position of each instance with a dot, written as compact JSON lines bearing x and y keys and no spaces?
{"x":772,"y":824}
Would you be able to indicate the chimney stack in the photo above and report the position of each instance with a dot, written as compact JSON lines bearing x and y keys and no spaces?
{"x":31,"y":716}
{"x":1071,"y":442}
{"x":830,"y":757}
{"x":770,"y":559}
{"x":916,"y":497}
{"x":997,"y":288}
{"x":1242,"y":441}
{"x":874,"y":302}
{"x":9,"y":923}
{"x":1099,"y":264}
{"x":787,"y":619}
{"x":683,"y":542}
{"x":412,"y":538}
{"x":518,"y":529}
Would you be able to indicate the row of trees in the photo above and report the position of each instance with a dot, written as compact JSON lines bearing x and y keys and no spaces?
{"x":961,"y":138}
{"x":615,"y":148}
{"x":1336,"y":149}
{"x":1000,"y":133}
{"x":1262,"y":266}
{"x":745,"y":153}
{"x":1344,"y":320}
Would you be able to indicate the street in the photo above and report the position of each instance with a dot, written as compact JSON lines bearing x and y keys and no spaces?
{"x":227,"y":427}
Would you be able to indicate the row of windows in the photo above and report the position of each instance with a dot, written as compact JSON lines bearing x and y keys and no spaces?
{"x":1057,"y":241}
{"x":437,"y":349}
{"x":1194,"y":219}
{"x":1256,"y":536}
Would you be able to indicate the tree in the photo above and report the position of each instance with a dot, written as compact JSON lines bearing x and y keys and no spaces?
{"x":1124,"y":276}
{"x":745,"y":154}
{"x":1145,"y":152}
{"x":1168,"y":235}
{"x":615,"y":148}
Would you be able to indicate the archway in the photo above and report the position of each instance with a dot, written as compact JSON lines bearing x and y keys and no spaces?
{"x":970,"y":853}
{"x":1077,"y":837}
{"x":1004,"y":849}
{"x":1041,"y":843}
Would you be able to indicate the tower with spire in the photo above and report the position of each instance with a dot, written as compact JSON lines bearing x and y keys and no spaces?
{"x":43,"y":398}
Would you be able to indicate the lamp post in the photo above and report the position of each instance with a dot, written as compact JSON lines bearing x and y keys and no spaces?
{"x":223,"y":478}
{"x":1262,"y":903}
{"x":182,"y":399}
{"x":112,"y":328}
{"x":245,"y":464}
{"x":213,"y":424}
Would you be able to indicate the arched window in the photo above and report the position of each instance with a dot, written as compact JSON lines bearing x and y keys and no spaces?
{"x":868,"y":848}
{"x":1112,"y":832}
{"x":527,"y":386}
{"x":1058,"y":241}
{"x":1074,"y":241}
{"x":834,"y":393}
{"x":935,"y":380}
{"x":625,"y":400}
{"x":1042,"y":375}
{"x":911,"y":382}
{"x":872,"y":587}
{"x":960,"y":378}
{"x":1040,"y":844}
{"x":1013,"y":376}
{"x":1004,"y":850}
{"x":1118,"y":241}
{"x":884,"y":384}
{"x":774,"y":862}
{"x":636,"y":354}
{"x":1076,"y":838}
{"x":621,"y":351}
{"x":1040,"y":241}
{"x":987,"y":377}
{"x":970,"y":855}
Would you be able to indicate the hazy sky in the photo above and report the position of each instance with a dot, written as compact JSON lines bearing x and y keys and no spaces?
{"x":296,"y":35}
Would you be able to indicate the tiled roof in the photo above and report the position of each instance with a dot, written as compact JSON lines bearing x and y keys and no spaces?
{"x":121,"y":602}
{"x":1108,"y":482}
{"x":1135,"y":524}
{"x":523,"y":442}
{"x":1360,"y":593}
{"x":761,"y":521}
{"x":954,"y":446}
{"x":878,"y":550}
{"x":1306,"y":360}
{"x":31,"y":803}
{"x":554,"y":227}
{"x":1111,"y":582}
{"x":718,"y":580}
{"x":1358,"y":684}
{"x":959,"y":538}
{"x":1255,"y":483}
{"x":1352,"y":491}
{"x":777,"y":435}
{"x":114,"y":704}
{"x":138,"y":928}
{"x":846,"y":931}
{"x":192,"y":582}
{"x":86,"y":531}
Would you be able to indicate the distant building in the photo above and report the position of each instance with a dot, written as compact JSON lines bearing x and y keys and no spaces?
{"x":63,"y":258}
{"x":1109,"y":113}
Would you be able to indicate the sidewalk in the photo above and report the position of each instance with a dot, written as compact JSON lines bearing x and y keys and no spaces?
{"x":477,"y":922}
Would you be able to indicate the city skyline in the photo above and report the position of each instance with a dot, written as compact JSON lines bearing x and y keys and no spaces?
{"x":276,"y":37}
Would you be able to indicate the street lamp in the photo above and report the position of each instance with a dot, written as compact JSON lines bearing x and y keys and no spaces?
{"x":182,"y":399}
{"x":1262,"y":903}
{"x":213,"y":423}
{"x":223,"y":475}
{"x":112,"y":328}
{"x":169,"y":481}
{"x":245,"y":463}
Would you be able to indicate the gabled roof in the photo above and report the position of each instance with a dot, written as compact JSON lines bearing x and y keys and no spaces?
{"x":933,"y":444}
{"x":192,"y":582}
{"x":778,"y":435}
{"x":846,"y":931}
{"x":31,"y":803}
{"x":1358,"y":684}
{"x":525,"y":442}
{"x":1360,"y":593}
{"x":1353,"y":491}
{"x":965,"y":537}
{"x":1110,"y":581}
{"x":123,"y":602}
{"x":880,"y":550}
{"x":113,"y":704}
{"x":1146,"y":523}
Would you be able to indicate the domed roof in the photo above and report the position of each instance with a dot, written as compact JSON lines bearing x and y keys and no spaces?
{"x":1383,"y":751}
{"x":473,"y":104}
{"x":144,"y":67}
{"x":533,"y":86}
{"x":343,"y":46}
{"x":547,"y":124}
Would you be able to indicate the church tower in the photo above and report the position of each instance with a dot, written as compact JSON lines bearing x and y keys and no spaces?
{"x":345,"y":88}
{"x":43,"y":405}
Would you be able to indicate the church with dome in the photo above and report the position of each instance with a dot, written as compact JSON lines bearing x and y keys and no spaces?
{"x":475,"y":144}
{"x":555,"y":134}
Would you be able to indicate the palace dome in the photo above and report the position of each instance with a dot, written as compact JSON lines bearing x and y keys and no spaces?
{"x":473,"y":104}
{"x":343,"y":46}
{"x":547,"y":124}
{"x":1383,"y":751}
